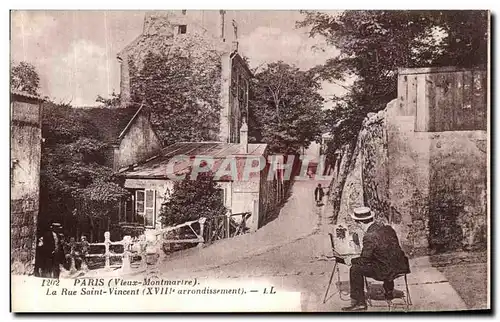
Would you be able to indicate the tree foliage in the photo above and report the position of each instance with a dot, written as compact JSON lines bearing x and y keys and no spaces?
{"x":112,"y":102}
{"x":24,"y":77}
{"x":73,"y":174}
{"x":180,"y":81}
{"x":193,"y":199}
{"x":373,"y":44}
{"x":285,"y":108}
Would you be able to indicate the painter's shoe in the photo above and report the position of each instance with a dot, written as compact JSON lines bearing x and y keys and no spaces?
{"x":355,"y":307}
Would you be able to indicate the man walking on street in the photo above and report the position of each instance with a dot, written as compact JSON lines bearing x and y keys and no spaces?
{"x":319,"y":194}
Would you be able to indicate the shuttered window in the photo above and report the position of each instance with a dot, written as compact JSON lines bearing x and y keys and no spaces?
{"x":222,"y":195}
{"x":139,"y":206}
{"x":149,"y":208}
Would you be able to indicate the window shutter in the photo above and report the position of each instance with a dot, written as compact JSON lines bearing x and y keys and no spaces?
{"x":139,"y":204}
{"x":222,"y":195}
{"x":149,"y":206}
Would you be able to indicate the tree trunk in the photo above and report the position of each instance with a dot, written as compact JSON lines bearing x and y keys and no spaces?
{"x":91,"y":229}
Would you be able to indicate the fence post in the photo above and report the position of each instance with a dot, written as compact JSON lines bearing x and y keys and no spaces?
{"x":202,"y":226}
{"x":143,"y":245}
{"x":209,"y":231}
{"x":126,"y":254}
{"x":107,"y":242}
{"x":85,"y":251}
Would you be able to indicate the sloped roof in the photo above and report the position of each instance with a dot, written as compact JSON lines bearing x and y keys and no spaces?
{"x":25,"y":95}
{"x":129,"y":124}
{"x":122,"y":53}
{"x":236,"y":56}
{"x":110,"y":122}
{"x":158,"y":167}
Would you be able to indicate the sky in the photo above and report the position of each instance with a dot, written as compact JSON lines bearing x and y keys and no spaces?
{"x":75,"y":51}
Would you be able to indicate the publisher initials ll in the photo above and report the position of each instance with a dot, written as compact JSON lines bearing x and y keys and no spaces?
{"x":271,"y":291}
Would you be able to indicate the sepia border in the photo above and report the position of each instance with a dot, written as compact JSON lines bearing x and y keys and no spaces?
{"x":295,"y":5}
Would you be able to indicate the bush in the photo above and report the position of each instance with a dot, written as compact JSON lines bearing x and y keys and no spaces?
{"x":193,"y":199}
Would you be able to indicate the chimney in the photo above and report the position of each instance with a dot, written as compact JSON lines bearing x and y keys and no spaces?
{"x":222,"y":24}
{"x":244,"y":136}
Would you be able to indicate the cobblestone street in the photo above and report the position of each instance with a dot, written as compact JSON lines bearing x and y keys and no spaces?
{"x":293,"y":253}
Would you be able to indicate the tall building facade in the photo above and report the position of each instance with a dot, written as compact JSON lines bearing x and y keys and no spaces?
{"x":217,"y":27}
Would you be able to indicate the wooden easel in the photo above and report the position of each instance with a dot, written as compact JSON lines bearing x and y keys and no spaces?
{"x":339,"y":258}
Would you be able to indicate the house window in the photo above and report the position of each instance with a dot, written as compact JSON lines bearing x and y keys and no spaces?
{"x":139,"y":208}
{"x":222,"y":195}
{"x":149,"y":208}
{"x":127,"y":214}
{"x":182,"y":29}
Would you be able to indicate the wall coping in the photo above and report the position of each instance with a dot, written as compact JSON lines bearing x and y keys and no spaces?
{"x":430,"y":70}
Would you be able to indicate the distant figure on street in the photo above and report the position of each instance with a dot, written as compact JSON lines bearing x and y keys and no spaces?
{"x":52,"y":252}
{"x":319,"y":194}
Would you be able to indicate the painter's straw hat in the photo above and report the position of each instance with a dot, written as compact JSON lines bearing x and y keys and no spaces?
{"x":362,"y":213}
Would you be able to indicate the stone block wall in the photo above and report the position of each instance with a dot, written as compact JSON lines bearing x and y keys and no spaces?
{"x":457,"y":190}
{"x":23,"y":233}
{"x":25,"y":181}
{"x":430,"y":186}
{"x":408,"y":176}
{"x":352,"y":193}
{"x":437,"y":185}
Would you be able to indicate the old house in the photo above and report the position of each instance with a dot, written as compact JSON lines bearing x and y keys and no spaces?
{"x":163,"y":28}
{"x":151,"y":182}
{"x":26,"y":137}
{"x":129,"y":135}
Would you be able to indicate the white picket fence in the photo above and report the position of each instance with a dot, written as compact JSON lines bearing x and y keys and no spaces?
{"x":149,"y":244}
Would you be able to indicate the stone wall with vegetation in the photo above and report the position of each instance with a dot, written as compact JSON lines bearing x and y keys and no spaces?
{"x":431,"y":187}
{"x":179,"y":78}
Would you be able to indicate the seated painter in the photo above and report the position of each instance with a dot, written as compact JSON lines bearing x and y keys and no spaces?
{"x":381,"y":258}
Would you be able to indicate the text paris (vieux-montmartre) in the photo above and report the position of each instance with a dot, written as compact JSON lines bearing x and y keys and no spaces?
{"x":147,"y":286}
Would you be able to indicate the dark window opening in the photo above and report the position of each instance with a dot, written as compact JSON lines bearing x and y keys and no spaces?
{"x":182,"y":29}
{"x":139,"y":208}
{"x":184,"y":12}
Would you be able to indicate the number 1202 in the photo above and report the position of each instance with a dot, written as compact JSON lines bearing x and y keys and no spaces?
{"x":50,"y":282}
